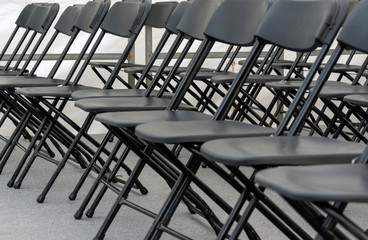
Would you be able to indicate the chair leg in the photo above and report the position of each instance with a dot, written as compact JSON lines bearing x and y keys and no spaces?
{"x":11,"y":143}
{"x":90,"y":166}
{"x":104,"y":188}
{"x":102,"y":172}
{"x":62,"y":163}
{"x":26,"y":155}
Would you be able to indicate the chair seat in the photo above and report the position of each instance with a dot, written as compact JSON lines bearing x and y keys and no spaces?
{"x":97,"y":93}
{"x":283,"y":150}
{"x":296,"y":83}
{"x":202,"y":75}
{"x":197,"y":131}
{"x":339,"y":182}
{"x":287,"y":85}
{"x":133,"y":119}
{"x":53,"y":91}
{"x":114,"y":104}
{"x":340,"y":90}
{"x":9,"y":73}
{"x":15,"y":82}
{"x":229,"y":77}
{"x":361,"y":100}
{"x":112,"y":64}
{"x":140,"y":69}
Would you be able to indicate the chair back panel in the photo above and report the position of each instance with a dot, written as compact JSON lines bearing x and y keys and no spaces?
{"x":235,"y":21}
{"x":304,"y":26}
{"x":67,"y":19}
{"x":25,"y":15}
{"x":197,"y":17}
{"x":160,"y":13}
{"x":42,"y":17}
{"x":121,"y":17}
{"x":90,"y":15}
{"x":354,"y":33}
{"x":176,"y":16}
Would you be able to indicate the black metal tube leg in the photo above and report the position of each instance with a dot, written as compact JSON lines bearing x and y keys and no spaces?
{"x":62,"y":163}
{"x":92,"y":190}
{"x":73,"y":194}
{"x":26,"y":154}
{"x":14,"y":137}
{"x":104,"y":188}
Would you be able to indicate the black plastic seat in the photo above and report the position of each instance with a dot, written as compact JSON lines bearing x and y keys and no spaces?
{"x":329,"y":187}
{"x":359,"y":100}
{"x":340,"y":182}
{"x":282,"y":150}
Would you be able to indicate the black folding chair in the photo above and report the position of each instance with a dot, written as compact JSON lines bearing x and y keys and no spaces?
{"x":157,"y":18}
{"x":133,"y":14}
{"x":192,"y":134}
{"x":195,"y":31}
{"x":74,"y":20}
{"x":244,"y":35}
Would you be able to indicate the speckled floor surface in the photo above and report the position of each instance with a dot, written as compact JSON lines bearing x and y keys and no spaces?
{"x":23,"y":218}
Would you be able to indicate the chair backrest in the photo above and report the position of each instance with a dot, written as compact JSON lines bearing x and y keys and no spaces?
{"x":193,"y":23}
{"x":236,"y":21}
{"x":306,"y":26}
{"x":170,"y":27}
{"x":67,"y":19}
{"x":123,"y":17}
{"x":91,"y":15}
{"x":301,"y":26}
{"x":332,"y":15}
{"x":354,"y":33}
{"x":160,"y":13}
{"x":85,"y":17}
{"x":220,"y":26}
{"x":25,"y":14}
{"x":176,"y":16}
{"x":42,"y":17}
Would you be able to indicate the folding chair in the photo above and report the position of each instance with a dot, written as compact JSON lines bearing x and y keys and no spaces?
{"x":35,"y":18}
{"x":156,"y":19}
{"x":64,"y":25}
{"x":74,"y":20}
{"x":240,"y":12}
{"x":133,"y":14}
{"x":192,"y":134}
{"x":282,"y":151}
{"x":158,"y":16}
{"x":192,"y":30}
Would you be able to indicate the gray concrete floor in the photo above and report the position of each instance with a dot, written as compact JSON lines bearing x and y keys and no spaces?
{"x":23,"y":218}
